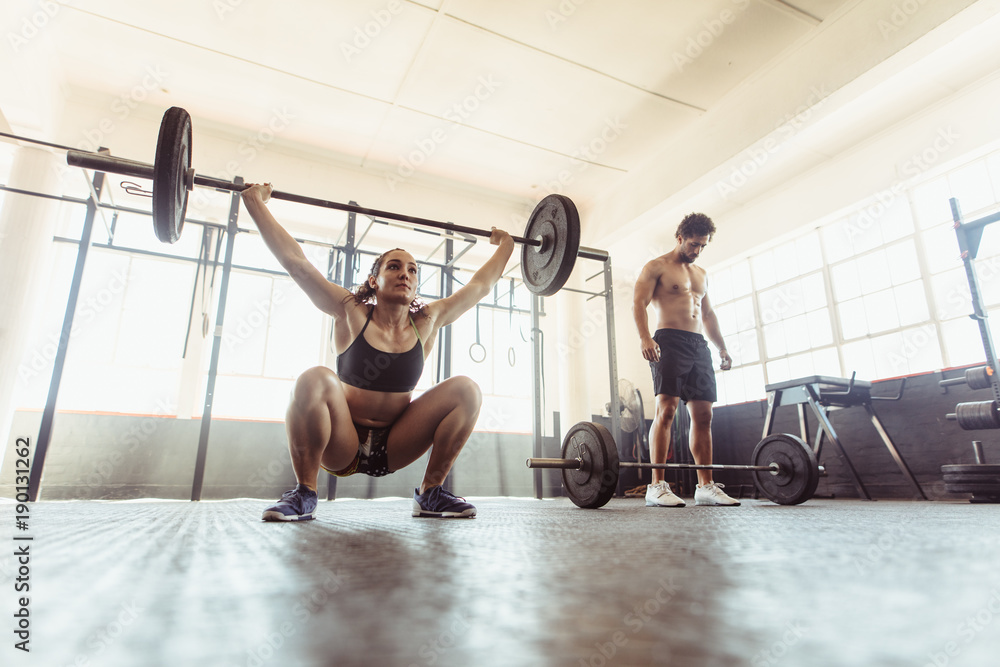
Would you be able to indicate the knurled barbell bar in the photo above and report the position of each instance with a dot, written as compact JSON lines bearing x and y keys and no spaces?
{"x":550,"y":245}
{"x":785,"y":468}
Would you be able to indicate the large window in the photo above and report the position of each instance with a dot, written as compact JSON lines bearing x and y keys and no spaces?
{"x":881,"y":291}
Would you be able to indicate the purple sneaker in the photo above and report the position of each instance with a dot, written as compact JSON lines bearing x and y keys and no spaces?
{"x":299,"y":504}
{"x":437,"y":502}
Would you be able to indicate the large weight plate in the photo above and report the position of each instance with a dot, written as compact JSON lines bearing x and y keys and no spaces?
{"x":547,"y":267}
{"x":798,"y":474}
{"x":956,"y":478}
{"x":593,"y":484}
{"x":173,"y":159}
{"x":980,"y":487}
{"x":971,"y":468}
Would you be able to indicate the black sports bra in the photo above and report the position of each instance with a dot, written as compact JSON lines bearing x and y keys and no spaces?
{"x":366,"y":367}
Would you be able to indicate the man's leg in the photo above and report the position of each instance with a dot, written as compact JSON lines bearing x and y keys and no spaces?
{"x":659,"y":432}
{"x":701,"y":437}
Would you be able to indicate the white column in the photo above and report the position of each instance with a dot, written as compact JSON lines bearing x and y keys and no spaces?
{"x":27,"y":225}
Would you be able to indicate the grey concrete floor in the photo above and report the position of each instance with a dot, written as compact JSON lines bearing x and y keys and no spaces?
{"x":830,"y":582}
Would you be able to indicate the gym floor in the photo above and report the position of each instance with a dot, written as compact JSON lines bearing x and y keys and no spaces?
{"x":528,"y":582}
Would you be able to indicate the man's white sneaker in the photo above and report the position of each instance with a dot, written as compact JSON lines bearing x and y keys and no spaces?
{"x":660,"y":495}
{"x":712,"y":494}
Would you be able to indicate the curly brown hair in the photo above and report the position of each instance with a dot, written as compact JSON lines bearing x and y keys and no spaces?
{"x":695,"y":224}
{"x":365,"y":293}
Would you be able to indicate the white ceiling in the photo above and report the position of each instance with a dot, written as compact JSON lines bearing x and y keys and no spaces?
{"x":513,"y":97}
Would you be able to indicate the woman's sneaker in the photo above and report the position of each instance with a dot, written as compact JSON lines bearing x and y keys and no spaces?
{"x":712,"y":494}
{"x":660,"y":495}
{"x":438,"y":502}
{"x":299,"y":504}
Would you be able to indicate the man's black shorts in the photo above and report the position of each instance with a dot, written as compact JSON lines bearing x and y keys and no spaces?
{"x":685,"y":366}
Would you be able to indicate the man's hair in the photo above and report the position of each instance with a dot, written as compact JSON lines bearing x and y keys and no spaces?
{"x":695,"y":224}
{"x":365,"y":293}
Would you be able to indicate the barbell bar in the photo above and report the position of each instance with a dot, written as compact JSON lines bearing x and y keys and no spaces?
{"x":550,"y":244}
{"x":785,"y":468}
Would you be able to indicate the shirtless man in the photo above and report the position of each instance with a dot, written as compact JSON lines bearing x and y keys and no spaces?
{"x":679,"y":357}
{"x":363,"y":418}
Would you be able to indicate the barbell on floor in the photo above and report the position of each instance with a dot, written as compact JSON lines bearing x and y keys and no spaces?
{"x":785,"y":468}
{"x":550,"y":245}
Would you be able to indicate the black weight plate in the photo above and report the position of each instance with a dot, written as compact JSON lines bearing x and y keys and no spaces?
{"x":547,"y":267}
{"x":981,"y":487}
{"x":977,"y":415}
{"x":971,"y":478}
{"x":798,"y":477}
{"x":173,"y":159}
{"x":972,"y":468}
{"x":592,"y":485}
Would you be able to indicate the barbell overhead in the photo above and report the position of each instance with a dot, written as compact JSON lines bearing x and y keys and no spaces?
{"x":551,"y":242}
{"x":785,"y":469}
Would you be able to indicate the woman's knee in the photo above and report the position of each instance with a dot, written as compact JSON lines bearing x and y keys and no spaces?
{"x":467,"y":392}
{"x":317,"y":384}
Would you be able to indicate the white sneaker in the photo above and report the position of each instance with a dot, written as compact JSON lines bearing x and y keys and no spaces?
{"x":712,"y":494}
{"x":660,"y":495}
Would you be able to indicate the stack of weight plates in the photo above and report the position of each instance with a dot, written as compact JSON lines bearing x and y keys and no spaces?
{"x":982,"y":480}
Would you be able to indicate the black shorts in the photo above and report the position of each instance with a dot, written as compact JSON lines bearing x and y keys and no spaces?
{"x":685,"y":366}
{"x":372,"y":458}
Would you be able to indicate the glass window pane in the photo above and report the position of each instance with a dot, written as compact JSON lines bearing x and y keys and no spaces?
{"x":774,"y":340}
{"x":154,"y":316}
{"x":836,"y":241}
{"x":897,"y":221}
{"x":827,"y":362}
{"x":863,"y":229}
{"x":720,"y":388}
{"x":950,"y":291}
{"x":244,"y":334}
{"x":931,"y":203}
{"x":911,"y":303}
{"x":853,"y":322}
{"x":941,"y":248}
{"x":797,"y":334}
{"x":988,"y":274}
{"x":890,"y":359}
{"x":813,"y":292}
{"x":962,"y":343}
{"x":922,"y":349}
{"x":801,"y":365}
{"x":858,"y":358}
{"x":786,"y":265}
{"x":747,"y":350}
{"x":744,"y":315}
{"x":777,"y":371}
{"x":763,"y":270}
{"x":727,"y":318}
{"x":295,"y":336}
{"x":753,"y":382}
{"x":742,"y":285}
{"x":970,"y":185}
{"x":874,"y":272}
{"x":781,"y":302}
{"x":808,"y":252}
{"x":733,"y":382}
{"x":880,"y":308}
{"x":846,"y":283}
{"x":902,"y":261}
{"x":820,"y":330}
{"x":993,"y":165}
{"x":720,"y":286}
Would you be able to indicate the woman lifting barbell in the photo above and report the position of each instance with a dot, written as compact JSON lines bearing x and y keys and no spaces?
{"x":361,"y":419}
